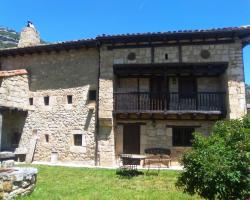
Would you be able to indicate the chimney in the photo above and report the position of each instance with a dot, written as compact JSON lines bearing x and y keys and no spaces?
{"x":29,"y":36}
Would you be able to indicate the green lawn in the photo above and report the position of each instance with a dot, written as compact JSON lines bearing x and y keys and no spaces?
{"x":82,"y":183}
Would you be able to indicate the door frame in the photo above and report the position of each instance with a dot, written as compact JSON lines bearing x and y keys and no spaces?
{"x":139,"y":132}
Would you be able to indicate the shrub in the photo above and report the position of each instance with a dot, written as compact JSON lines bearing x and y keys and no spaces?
{"x":218,"y":166}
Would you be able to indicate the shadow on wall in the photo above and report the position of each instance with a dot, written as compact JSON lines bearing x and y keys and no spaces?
{"x":59,"y":70}
{"x":104,"y":133}
{"x":12,"y":128}
{"x":88,"y":119}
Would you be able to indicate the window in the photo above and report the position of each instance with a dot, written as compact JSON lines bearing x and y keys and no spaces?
{"x":182,"y":136}
{"x":78,"y":139}
{"x":69,"y":99}
{"x":92,"y":95}
{"x":131,"y":56}
{"x":47,"y":138}
{"x":166,"y":56}
{"x":46,"y":100}
{"x":31,"y":101}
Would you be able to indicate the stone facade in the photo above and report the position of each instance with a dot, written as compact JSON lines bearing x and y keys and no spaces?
{"x":14,"y":92}
{"x":55,"y":76}
{"x":158,"y":133}
{"x":231,"y":82}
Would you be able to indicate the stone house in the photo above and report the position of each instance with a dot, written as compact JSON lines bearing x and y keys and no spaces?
{"x":88,"y":101}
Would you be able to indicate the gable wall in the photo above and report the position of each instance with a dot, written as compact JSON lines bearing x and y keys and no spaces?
{"x":57,"y":75}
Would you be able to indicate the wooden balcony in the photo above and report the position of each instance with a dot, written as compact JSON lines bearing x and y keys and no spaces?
{"x":169,"y":105}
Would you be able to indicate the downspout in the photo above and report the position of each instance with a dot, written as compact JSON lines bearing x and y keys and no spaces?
{"x":97,"y":106}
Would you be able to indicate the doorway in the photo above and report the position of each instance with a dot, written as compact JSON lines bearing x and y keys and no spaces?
{"x":131,"y":139}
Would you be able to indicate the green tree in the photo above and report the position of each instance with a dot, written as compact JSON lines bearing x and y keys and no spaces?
{"x":218,"y":166}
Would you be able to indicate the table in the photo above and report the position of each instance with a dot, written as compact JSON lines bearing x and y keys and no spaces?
{"x":130,"y":160}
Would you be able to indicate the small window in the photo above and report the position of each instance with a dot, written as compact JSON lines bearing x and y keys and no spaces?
{"x":92,"y":95}
{"x":166,"y":56}
{"x":78,"y":139}
{"x":46,"y":100}
{"x":182,"y":136}
{"x":69,"y":99}
{"x":47,"y":138}
{"x":131,"y":56}
{"x":31,"y":101}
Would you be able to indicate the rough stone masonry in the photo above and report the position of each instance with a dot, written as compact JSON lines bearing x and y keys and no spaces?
{"x":65,"y":99}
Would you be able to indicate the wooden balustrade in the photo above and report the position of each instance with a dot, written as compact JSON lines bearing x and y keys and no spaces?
{"x":173,"y":101}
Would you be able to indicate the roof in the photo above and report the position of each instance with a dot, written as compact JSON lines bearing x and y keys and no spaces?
{"x":242,"y":32}
{"x":13,"y":72}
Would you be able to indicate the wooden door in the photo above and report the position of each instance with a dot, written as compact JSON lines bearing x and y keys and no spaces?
{"x":187,"y":87}
{"x":187,"y":93}
{"x":158,"y":88}
{"x":131,"y":138}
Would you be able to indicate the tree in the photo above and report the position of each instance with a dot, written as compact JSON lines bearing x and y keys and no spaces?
{"x":218,"y":166}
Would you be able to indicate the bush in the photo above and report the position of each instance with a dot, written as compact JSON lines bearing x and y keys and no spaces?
{"x":218,"y":166}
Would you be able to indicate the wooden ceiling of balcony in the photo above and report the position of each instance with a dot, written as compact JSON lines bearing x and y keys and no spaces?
{"x":178,"y":115}
{"x":171,"y":69}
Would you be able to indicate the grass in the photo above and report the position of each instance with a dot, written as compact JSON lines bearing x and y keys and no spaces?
{"x":56,"y":183}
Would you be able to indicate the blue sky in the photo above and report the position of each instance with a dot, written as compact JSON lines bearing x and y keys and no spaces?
{"x":75,"y":19}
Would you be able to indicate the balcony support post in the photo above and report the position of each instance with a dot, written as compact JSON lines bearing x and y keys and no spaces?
{"x":138,"y":94}
{"x":165,"y":97}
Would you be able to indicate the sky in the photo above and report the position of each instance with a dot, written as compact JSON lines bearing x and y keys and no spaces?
{"x":61,"y":20}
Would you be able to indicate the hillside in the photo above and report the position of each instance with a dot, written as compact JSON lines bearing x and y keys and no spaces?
{"x":8,"y":38}
{"x":248,"y":93}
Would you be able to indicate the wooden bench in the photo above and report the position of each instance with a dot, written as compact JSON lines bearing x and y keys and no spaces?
{"x":157,"y":156}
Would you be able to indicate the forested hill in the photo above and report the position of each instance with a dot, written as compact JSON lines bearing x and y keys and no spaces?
{"x":248,"y":93}
{"x":8,"y":38}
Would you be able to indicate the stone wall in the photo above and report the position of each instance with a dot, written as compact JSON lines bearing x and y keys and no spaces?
{"x":106,"y":144}
{"x":231,"y":82}
{"x":75,"y":72}
{"x":158,"y":134}
{"x":204,"y":84}
{"x":57,"y":75}
{"x":14,"y":91}
{"x":16,"y":182}
{"x":232,"y":79}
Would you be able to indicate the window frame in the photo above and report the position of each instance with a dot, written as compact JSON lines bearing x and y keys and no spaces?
{"x":75,"y":140}
{"x":182,"y":141}
{"x":31,"y":101}
{"x":46,"y":100}
{"x":70,"y":99}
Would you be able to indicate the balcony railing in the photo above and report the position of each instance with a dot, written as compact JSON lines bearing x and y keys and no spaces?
{"x":173,"y":101}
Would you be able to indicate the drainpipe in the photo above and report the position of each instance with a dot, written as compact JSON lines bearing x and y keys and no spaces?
{"x":97,"y":106}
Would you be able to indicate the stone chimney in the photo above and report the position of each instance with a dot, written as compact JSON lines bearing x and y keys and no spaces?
{"x":29,"y":36}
